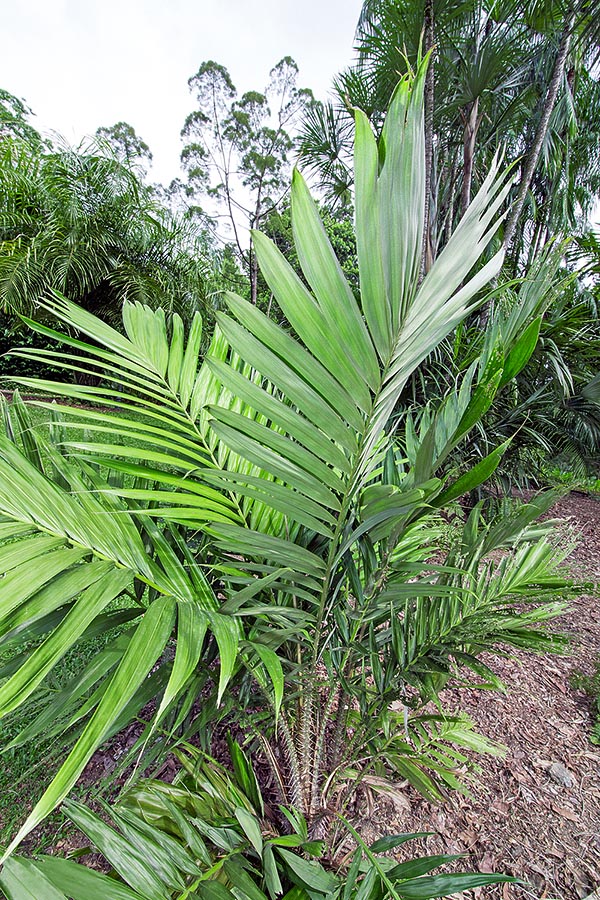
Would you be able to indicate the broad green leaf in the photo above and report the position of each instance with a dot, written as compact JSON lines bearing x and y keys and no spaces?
{"x":368,"y":236}
{"x":281,"y":445}
{"x":311,"y":326}
{"x":243,"y":885}
{"x":132,"y":865}
{"x":520,"y":353}
{"x":401,"y":194}
{"x":279,"y":497}
{"x":17,"y":553}
{"x":272,"y":664}
{"x":480,"y":402}
{"x":271,"y":874}
{"x":56,"y":715}
{"x":443,"y":885}
{"x":90,"y":604}
{"x":281,"y":415}
{"x":24,"y":581}
{"x":190,"y":360}
{"x":213,"y":890}
{"x":307,"y":367}
{"x":82,"y":883}
{"x":309,"y":872}
{"x":227,"y":634}
{"x":251,"y":828}
{"x":192,"y":623}
{"x":22,"y":881}
{"x":334,"y":295}
{"x":420,"y":866}
{"x":391,"y":841}
{"x":245,"y":777}
{"x":147,"y":329}
{"x":57,"y":593}
{"x":175,"y":352}
{"x":479,"y":474}
{"x":170,"y":862}
{"x":280,"y":551}
{"x":299,"y":392}
{"x":352,"y":874}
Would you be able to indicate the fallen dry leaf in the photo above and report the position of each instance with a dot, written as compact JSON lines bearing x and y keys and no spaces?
{"x":566,"y":812}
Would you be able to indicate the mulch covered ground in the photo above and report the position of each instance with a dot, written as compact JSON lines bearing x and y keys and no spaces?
{"x":535,"y":813}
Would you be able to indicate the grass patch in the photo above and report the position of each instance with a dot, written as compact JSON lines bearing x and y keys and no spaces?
{"x":590,"y":684}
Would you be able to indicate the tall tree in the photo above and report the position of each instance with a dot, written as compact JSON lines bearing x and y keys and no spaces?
{"x":126,"y":144}
{"x":14,"y":120}
{"x":238,"y":150}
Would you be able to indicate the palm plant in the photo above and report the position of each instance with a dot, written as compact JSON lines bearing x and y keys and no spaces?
{"x":256,"y":510}
{"x":82,"y":223}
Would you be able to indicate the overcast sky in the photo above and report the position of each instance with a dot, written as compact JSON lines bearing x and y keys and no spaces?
{"x":80,"y":64}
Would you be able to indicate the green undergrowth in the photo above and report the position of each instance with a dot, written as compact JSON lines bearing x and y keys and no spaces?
{"x":591,"y":685}
{"x":559,"y":477}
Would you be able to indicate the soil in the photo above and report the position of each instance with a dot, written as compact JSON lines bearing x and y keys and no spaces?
{"x":535,"y":813}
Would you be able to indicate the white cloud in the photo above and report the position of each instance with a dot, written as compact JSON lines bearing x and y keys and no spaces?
{"x":83,"y":63}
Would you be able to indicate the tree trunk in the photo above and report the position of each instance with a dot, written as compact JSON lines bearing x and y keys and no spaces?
{"x":429,"y":37}
{"x":469,"y":137}
{"x":533,"y":154}
{"x":542,"y":129}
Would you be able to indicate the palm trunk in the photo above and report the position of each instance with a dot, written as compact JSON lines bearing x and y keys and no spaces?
{"x":429,"y":37}
{"x":469,"y":137}
{"x":542,"y":130}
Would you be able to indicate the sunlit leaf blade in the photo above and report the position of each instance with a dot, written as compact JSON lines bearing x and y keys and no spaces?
{"x":192,"y":623}
{"x":373,"y":289}
{"x":22,"y":881}
{"x":88,"y":606}
{"x":127,"y":860}
{"x":82,"y":883}
{"x":144,"y":649}
{"x":324,"y":273}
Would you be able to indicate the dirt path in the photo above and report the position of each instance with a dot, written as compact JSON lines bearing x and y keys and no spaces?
{"x":535,"y":813}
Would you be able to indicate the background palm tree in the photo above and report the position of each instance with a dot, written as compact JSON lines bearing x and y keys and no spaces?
{"x":83,"y":223}
{"x":511,"y":75}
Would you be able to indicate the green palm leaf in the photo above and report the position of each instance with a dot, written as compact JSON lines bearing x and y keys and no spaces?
{"x":410,"y":322}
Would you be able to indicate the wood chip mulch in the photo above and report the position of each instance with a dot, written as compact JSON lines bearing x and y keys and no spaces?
{"x":535,"y":813}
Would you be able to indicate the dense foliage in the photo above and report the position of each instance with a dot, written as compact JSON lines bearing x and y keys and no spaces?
{"x":84,"y":224}
{"x":259,"y":518}
{"x":504,"y":75}
{"x":271,"y":538}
